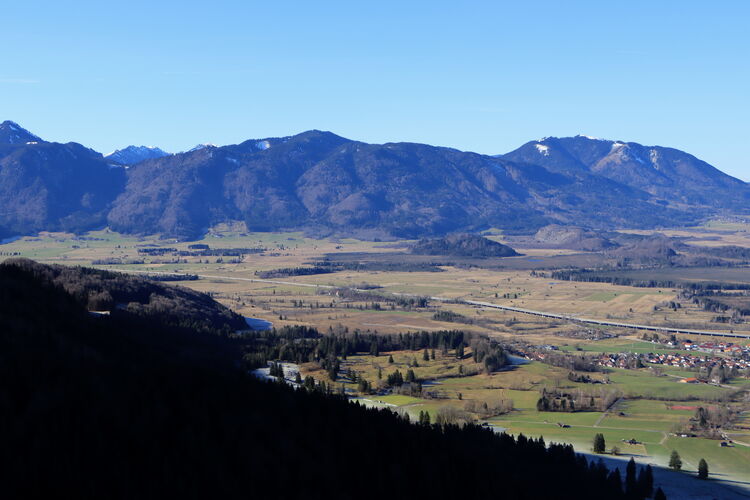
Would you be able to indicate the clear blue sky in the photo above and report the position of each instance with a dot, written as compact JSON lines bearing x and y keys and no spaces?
{"x":479,"y":76}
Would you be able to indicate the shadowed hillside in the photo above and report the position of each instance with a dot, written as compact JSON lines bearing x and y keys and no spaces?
{"x":117,"y":407}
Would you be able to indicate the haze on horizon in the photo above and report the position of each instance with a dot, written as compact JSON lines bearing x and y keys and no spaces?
{"x":484,"y":78}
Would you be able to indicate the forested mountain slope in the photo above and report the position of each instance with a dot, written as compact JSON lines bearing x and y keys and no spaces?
{"x":122,"y":406}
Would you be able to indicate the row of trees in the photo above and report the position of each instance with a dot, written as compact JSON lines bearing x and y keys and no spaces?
{"x":675,"y":463}
{"x":576,"y":400}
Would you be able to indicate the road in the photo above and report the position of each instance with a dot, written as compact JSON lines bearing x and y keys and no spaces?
{"x":520,"y":310}
{"x":570,"y":317}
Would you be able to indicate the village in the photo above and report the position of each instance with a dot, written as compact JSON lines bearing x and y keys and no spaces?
{"x":733,"y":358}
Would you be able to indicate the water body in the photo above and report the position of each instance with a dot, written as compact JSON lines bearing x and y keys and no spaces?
{"x":258,"y":324}
{"x":5,"y":241}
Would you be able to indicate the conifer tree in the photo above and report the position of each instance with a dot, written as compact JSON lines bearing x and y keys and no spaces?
{"x":646,"y":481}
{"x":630,"y":478}
{"x":675,"y":462}
{"x":703,"y":469}
{"x":659,"y":495}
{"x":615,"y":481}
{"x":599,"y":443}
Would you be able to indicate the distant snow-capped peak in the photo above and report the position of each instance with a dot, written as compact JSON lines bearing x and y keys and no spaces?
{"x":135,"y":154}
{"x":198,"y":147}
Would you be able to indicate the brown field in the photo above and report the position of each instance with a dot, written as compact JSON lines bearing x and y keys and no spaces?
{"x":507,"y":282}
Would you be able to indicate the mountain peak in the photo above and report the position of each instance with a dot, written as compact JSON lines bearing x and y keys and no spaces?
{"x":13,"y":133}
{"x":135,"y":154}
{"x":198,"y":147}
{"x":665,"y":173}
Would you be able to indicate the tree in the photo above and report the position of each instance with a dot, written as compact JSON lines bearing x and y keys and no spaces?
{"x":630,"y":478}
{"x":599,"y":444}
{"x":426,"y":355}
{"x":363,"y":386}
{"x":298,"y":379}
{"x":659,"y":495}
{"x":703,"y":469}
{"x":424,"y":418}
{"x":615,"y":481}
{"x":390,"y":358}
{"x":646,"y":481}
{"x":675,"y":463}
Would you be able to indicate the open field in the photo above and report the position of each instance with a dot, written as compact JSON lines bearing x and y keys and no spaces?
{"x":636,"y":416}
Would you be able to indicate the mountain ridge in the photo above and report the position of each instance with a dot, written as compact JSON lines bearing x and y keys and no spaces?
{"x":326,"y":184}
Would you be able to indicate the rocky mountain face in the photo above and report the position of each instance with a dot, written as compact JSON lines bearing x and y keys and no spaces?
{"x":326,"y":184}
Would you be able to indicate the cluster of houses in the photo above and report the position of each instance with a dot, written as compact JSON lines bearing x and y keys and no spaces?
{"x":693,"y":361}
{"x":625,"y":360}
{"x":716,"y":347}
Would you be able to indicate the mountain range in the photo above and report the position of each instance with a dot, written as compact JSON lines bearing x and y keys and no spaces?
{"x":325,"y":184}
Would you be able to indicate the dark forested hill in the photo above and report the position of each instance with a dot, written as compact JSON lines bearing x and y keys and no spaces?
{"x":326,"y":184}
{"x":54,"y":187}
{"x":463,"y":245}
{"x":122,"y":407}
{"x":106,"y":291}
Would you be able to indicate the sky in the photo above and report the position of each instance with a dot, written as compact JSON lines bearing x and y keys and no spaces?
{"x":476,"y":76}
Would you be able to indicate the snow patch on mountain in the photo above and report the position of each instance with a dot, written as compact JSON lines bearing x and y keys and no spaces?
{"x":198,"y":147}
{"x":543,"y":150}
{"x":135,"y":154}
